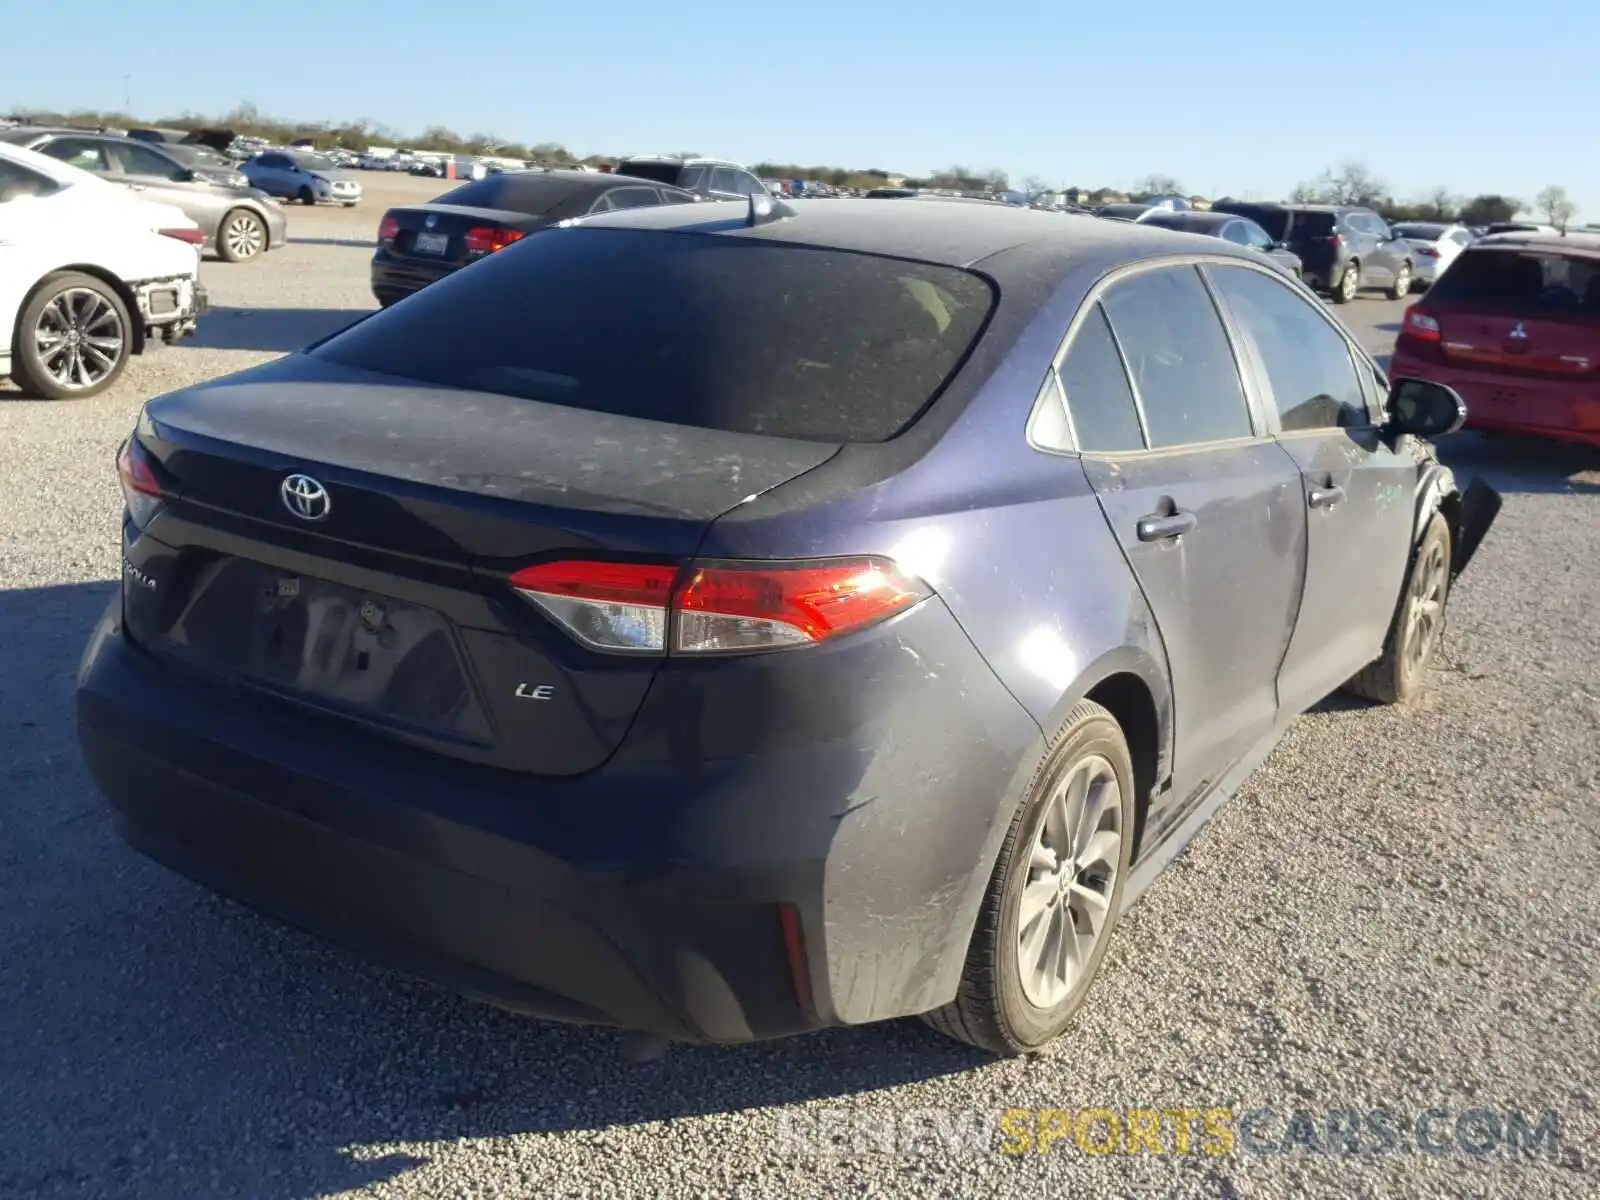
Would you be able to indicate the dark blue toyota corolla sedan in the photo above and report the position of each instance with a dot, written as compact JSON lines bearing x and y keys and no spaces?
{"x":721,"y":622}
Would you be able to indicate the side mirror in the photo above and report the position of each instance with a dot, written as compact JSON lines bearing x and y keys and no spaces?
{"x":185,"y":175}
{"x":1423,"y":409}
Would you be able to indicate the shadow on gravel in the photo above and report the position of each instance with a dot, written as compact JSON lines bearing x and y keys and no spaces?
{"x":367,"y":243}
{"x":1519,"y":464}
{"x":161,"y":1041}
{"x":280,"y":329}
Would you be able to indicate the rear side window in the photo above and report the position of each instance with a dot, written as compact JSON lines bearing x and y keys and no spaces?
{"x":695,"y":329}
{"x":1182,"y":366}
{"x":17,"y":181}
{"x":1312,"y":225}
{"x":1274,"y":220}
{"x":1520,"y":282}
{"x":1313,"y":378}
{"x":1104,"y":417}
{"x":659,"y":171}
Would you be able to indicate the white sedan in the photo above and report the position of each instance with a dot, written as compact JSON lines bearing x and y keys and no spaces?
{"x":88,"y":275}
{"x":1434,"y":246}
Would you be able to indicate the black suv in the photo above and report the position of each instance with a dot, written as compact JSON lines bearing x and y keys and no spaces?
{"x":1343,"y":248}
{"x":712,"y":178}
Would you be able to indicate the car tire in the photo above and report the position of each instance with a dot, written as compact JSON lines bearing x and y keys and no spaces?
{"x":1404,"y":281}
{"x":241,"y":236}
{"x":73,"y":302}
{"x":1348,"y":286}
{"x":1006,"y":1004}
{"x":306,"y":196}
{"x":1398,"y":674}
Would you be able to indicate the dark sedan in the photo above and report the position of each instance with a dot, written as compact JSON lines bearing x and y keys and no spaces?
{"x":421,"y":243}
{"x":1241,"y":231}
{"x":724,"y":622}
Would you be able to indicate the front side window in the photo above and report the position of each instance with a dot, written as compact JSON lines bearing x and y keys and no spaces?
{"x":1178,"y":355}
{"x":1308,"y":363}
{"x":1104,"y":416}
{"x":1234,"y":232}
{"x":1255,"y":236}
{"x":137,"y":160}
{"x":726,"y":181}
{"x":634,"y":197}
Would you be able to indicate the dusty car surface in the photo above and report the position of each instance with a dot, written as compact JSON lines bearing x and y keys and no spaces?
{"x":723,"y":621}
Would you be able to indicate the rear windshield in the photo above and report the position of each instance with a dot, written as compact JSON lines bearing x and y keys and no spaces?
{"x":1274,"y":220}
{"x":1422,"y":232}
{"x":713,"y":331}
{"x":661,"y":172}
{"x":1520,"y":282}
{"x":531,"y":192}
{"x":1312,"y":224}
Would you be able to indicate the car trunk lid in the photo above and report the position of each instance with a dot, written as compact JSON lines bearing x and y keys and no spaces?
{"x":443,"y":233}
{"x":392,"y":607}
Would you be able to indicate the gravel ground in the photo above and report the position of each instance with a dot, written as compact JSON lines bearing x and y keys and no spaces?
{"x":1398,"y":912}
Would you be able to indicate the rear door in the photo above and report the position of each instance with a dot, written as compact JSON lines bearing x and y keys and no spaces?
{"x":1368,"y":237}
{"x":1357,"y":492}
{"x":1205,"y":506}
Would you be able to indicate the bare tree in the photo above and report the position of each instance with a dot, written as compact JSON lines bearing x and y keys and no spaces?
{"x":1444,"y":205}
{"x":1556,"y":206}
{"x":995,"y":179}
{"x":1035,"y":185}
{"x":1158,"y":185}
{"x":1349,"y":183}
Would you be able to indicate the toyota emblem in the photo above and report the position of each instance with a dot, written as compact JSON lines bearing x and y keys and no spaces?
{"x":304,"y":497}
{"x":431,"y":221}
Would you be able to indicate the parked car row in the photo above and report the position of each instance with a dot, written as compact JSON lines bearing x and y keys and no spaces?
{"x":90,"y":274}
{"x":239,"y":221}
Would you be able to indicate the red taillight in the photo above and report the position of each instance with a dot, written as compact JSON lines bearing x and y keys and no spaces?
{"x":1420,"y":325}
{"x":752,"y":606}
{"x":141,"y":489}
{"x":193,"y":236}
{"x":388,"y":228}
{"x":717,"y":607}
{"x":486,"y":239}
{"x":1427,"y":252}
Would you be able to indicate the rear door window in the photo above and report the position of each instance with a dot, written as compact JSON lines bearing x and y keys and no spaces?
{"x":1308,"y":363}
{"x":693,"y":329}
{"x":1104,"y":415}
{"x":1522,"y":282}
{"x":1310,"y":225}
{"x":636,"y":197}
{"x":83,"y":153}
{"x":1183,"y":369}
{"x":17,"y":181}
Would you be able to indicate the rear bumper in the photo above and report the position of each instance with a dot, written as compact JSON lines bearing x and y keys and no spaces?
{"x":644,"y":896}
{"x":1499,"y":403}
{"x":396,"y":278}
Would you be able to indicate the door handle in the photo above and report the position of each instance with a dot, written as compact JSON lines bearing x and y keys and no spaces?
{"x":1158,"y":527}
{"x":1326,"y":496}
{"x":136,"y":187}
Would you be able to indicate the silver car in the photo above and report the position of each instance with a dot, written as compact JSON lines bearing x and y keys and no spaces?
{"x":303,"y":176}
{"x":240,"y":223}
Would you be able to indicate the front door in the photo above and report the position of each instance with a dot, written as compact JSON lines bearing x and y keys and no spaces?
{"x":1207,"y":511}
{"x":155,"y":176}
{"x":1357,"y":492}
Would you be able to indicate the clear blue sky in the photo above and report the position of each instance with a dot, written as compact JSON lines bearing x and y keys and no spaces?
{"x":1233,"y":98}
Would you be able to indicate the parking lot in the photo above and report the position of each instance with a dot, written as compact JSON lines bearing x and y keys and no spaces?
{"x":1399,"y":912}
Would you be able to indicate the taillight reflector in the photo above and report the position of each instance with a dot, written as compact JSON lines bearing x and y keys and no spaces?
{"x":486,"y":239}
{"x":1420,"y":325}
{"x":193,"y":236}
{"x":141,"y":489}
{"x":716,"y":607}
{"x":388,"y":228}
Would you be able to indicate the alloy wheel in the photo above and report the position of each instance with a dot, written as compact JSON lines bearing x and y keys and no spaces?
{"x":80,"y":338}
{"x":1350,"y":283}
{"x":244,"y":236}
{"x":1425,"y":608}
{"x":1065,"y":906}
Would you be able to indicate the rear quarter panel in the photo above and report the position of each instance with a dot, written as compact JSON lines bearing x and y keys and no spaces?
{"x":1013,"y":542}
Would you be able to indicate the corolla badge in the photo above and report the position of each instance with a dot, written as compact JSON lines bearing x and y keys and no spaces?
{"x":305,"y":498}
{"x":1518,"y":332}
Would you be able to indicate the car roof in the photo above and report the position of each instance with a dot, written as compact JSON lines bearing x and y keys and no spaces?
{"x":23,"y":133}
{"x":1586,"y":244}
{"x":1019,"y":243}
{"x":696,"y":160}
{"x":1193,"y":219}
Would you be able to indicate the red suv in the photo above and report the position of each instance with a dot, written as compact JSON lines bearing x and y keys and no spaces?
{"x":1513,"y":325}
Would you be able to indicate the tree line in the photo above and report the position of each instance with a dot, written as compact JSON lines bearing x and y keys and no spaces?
{"x":1348,"y":183}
